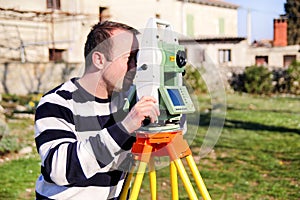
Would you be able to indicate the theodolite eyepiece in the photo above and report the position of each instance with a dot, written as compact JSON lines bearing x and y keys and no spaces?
{"x":181,"y":58}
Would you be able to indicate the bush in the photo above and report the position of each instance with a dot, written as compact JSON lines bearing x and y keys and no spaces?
{"x":293,"y":78}
{"x":3,"y":125}
{"x":8,"y":144}
{"x":21,"y":99}
{"x":236,"y":82}
{"x":3,"y":128}
{"x":194,"y":80}
{"x":258,"y":80}
{"x":11,"y":101}
{"x":280,"y":80}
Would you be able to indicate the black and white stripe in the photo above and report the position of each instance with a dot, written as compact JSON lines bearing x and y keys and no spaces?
{"x":81,"y":145}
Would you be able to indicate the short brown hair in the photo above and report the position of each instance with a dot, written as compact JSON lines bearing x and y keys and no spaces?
{"x":99,"y":33}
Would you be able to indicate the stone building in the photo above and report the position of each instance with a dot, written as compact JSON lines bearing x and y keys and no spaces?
{"x":42,"y":41}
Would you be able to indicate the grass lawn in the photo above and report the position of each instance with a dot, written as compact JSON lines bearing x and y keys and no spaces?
{"x":19,"y":172}
{"x":256,"y":157}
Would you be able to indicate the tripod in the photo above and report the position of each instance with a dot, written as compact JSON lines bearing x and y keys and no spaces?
{"x":167,"y":143}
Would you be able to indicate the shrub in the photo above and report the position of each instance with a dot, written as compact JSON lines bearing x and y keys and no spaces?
{"x":194,"y":80}
{"x":236,"y":82}
{"x":11,"y":101}
{"x":293,"y":77}
{"x":8,"y":144}
{"x":3,"y":125}
{"x":258,"y":80}
{"x":3,"y":128}
{"x":280,"y":80}
{"x":21,"y":99}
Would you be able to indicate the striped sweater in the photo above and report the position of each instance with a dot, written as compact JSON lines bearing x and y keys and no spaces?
{"x":82,"y":145}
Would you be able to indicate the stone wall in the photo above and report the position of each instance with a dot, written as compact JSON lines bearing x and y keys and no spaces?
{"x":25,"y":78}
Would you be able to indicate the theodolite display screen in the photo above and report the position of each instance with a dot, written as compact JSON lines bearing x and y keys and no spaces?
{"x":175,"y":97}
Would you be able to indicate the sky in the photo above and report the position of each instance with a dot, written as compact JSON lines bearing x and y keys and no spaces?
{"x":262,"y":14}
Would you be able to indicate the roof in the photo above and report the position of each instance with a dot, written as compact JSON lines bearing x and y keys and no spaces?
{"x":218,"y":3}
{"x":212,"y":40}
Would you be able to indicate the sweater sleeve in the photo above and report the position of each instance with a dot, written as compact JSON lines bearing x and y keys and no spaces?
{"x":66,"y":160}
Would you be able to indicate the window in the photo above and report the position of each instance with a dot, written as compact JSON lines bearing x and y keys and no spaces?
{"x":224,"y":55}
{"x":56,"y":55}
{"x":104,"y":14}
{"x":288,"y":59}
{"x":53,"y":4}
{"x":261,"y":60}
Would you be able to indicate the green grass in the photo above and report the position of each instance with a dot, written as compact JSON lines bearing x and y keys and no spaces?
{"x":256,"y":157}
{"x":19,"y":172}
{"x":259,"y":149}
{"x":18,"y":178}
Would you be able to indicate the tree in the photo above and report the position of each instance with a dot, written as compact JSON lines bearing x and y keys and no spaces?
{"x":292,"y":9}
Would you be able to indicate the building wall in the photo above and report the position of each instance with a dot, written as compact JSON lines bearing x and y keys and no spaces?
{"x":275,"y":54}
{"x":208,"y":20}
{"x":26,"y":78}
{"x":238,"y":53}
{"x":241,"y":54}
{"x":40,"y":30}
{"x":73,"y":22}
{"x":20,"y":5}
{"x":205,"y":17}
{"x":66,"y":29}
{"x":17,"y":36}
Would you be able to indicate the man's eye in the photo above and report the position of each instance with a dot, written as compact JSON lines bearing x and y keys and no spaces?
{"x":125,"y":57}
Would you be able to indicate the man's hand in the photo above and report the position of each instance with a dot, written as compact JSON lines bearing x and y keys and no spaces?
{"x":145,"y":107}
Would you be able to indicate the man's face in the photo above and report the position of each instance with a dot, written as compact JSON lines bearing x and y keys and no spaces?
{"x":120,"y":72}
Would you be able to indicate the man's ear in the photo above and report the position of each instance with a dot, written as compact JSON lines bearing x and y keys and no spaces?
{"x":98,"y":59}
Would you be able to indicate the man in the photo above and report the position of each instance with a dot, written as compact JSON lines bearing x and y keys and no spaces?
{"x":81,"y":133}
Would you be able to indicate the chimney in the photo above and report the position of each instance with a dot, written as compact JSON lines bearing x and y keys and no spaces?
{"x":280,"y":32}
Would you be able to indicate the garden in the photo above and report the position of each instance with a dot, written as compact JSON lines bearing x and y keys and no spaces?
{"x":256,"y":157}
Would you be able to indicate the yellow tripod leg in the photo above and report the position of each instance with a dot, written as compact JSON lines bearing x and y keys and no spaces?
{"x":138,"y":181}
{"x":152,"y":176}
{"x":174,"y":181}
{"x":185,"y":179}
{"x":198,"y":178}
{"x":127,"y":184}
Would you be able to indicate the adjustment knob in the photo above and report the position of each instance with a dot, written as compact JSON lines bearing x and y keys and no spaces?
{"x":181,"y":58}
{"x":144,"y":67}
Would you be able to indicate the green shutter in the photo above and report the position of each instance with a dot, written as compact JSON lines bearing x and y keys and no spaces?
{"x":190,"y":24}
{"x":221,"y":26}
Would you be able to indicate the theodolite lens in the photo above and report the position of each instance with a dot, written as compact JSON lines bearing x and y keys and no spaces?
{"x":181,"y":58}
